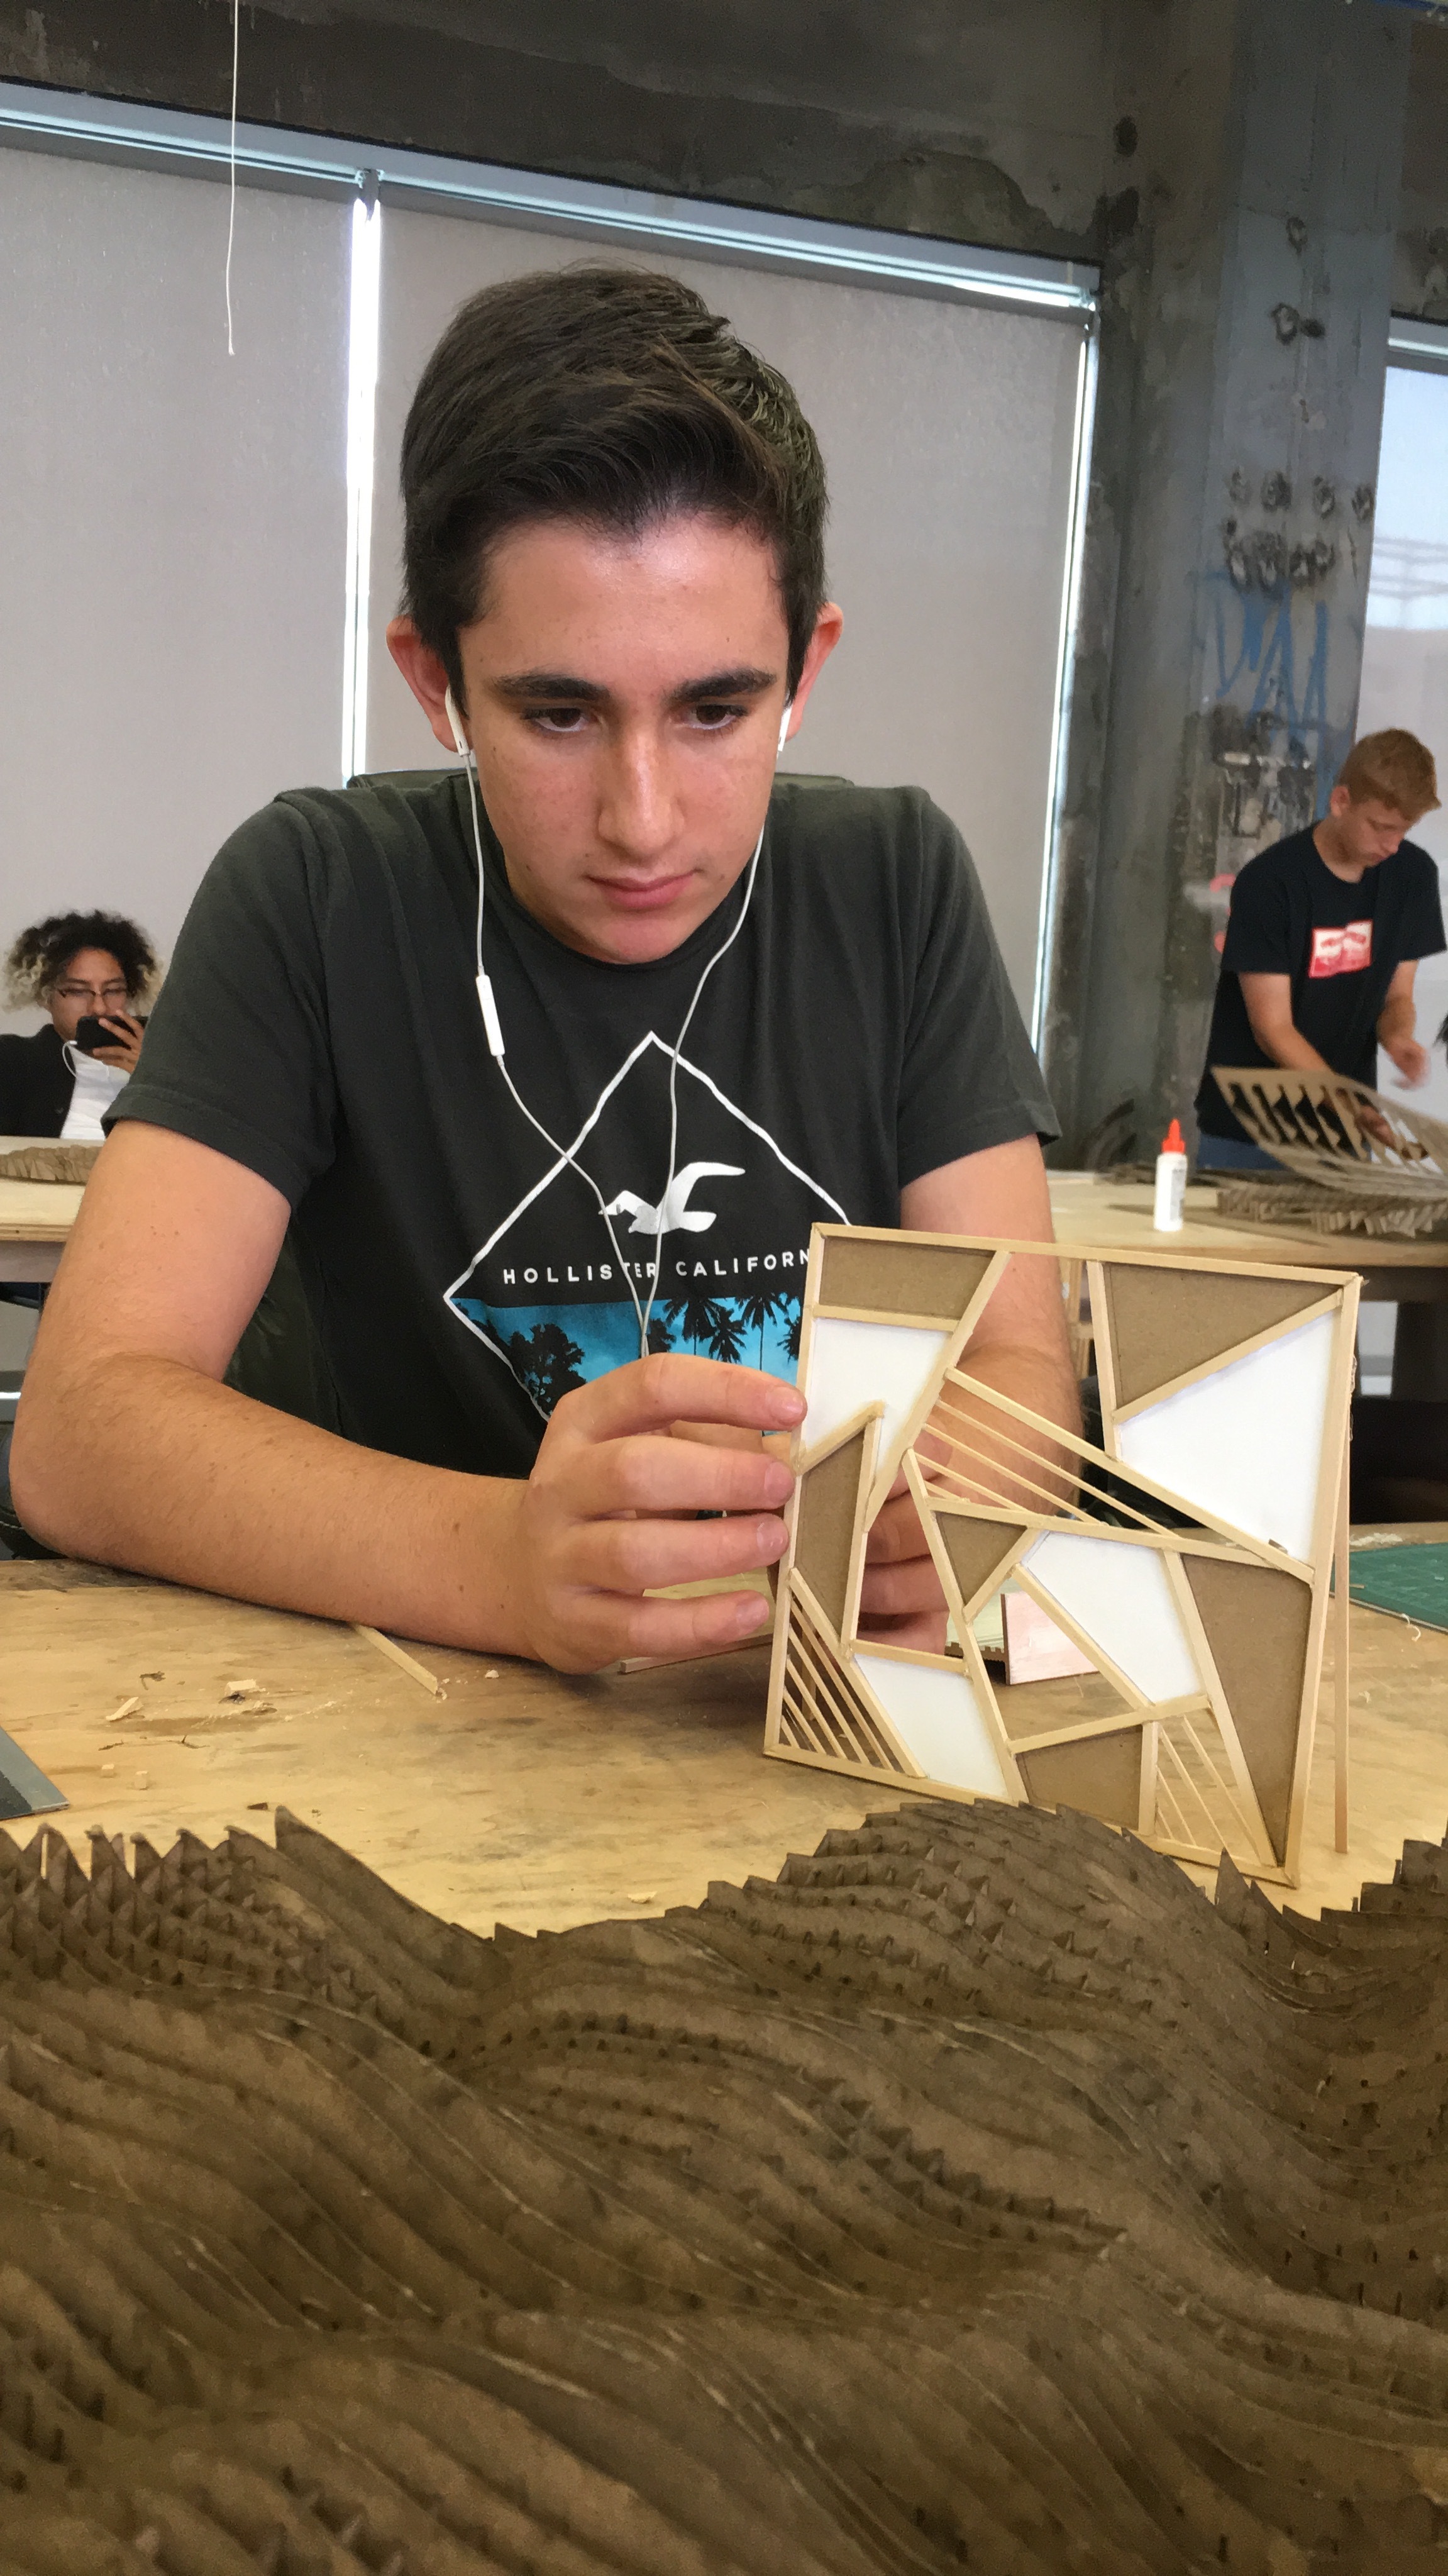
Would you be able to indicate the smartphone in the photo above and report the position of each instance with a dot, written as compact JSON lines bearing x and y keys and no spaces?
{"x":91,"y":1033}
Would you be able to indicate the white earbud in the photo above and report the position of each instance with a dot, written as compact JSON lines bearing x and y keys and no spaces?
{"x":784,"y":726}
{"x":455,"y":720}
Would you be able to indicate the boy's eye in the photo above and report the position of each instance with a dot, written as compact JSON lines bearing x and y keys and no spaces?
{"x":714,"y":715}
{"x":557,"y":719}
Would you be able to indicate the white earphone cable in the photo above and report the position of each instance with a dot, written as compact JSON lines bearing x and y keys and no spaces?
{"x":493,"y":1026}
{"x":674,"y":1088}
{"x":494,"y":1029}
{"x":231,"y":207}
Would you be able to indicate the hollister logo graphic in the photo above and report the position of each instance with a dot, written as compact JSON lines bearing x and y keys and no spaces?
{"x":1343,"y":951}
{"x":723,"y":1249}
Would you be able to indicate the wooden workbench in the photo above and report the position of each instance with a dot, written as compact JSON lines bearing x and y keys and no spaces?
{"x":1088,"y":1208}
{"x":1411,"y":1275}
{"x":35,"y":1219}
{"x":522,"y":1796}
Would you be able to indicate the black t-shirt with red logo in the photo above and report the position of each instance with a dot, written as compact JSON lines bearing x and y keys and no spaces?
{"x":1341,"y":944}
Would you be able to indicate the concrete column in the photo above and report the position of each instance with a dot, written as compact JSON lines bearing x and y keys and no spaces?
{"x":1244,"y":345}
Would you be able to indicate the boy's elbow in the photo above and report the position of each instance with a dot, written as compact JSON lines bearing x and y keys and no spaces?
{"x":38,"y":1481}
{"x":52,"y":1462}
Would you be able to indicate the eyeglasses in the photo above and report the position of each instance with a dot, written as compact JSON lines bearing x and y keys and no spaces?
{"x":111,"y":994}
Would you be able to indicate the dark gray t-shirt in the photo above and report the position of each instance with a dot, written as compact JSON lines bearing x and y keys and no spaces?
{"x":320,"y":1025}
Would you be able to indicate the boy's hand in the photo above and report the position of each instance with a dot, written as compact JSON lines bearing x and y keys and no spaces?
{"x":593,"y":1528}
{"x":1412,"y":1060}
{"x":901,"y":1602}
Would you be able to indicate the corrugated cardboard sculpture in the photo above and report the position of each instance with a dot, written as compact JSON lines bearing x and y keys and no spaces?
{"x":1189,"y":1551}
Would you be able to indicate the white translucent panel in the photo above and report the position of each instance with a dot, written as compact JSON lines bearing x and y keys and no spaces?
{"x":947,"y":436}
{"x":173,"y":526}
{"x":1121,"y":1598}
{"x":937,"y":1715}
{"x":1245,"y":1442}
{"x":855,"y":1364}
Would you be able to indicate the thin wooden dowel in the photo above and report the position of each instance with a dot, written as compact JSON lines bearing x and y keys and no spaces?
{"x":820,"y":1723}
{"x":1189,"y":1785}
{"x":1225,"y":1784}
{"x":1166,"y":1798}
{"x":398,"y":1655}
{"x":1002,"y":1468}
{"x":829,"y":1689}
{"x":1105,"y":1477}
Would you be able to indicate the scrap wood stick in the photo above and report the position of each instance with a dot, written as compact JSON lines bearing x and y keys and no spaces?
{"x":398,"y":1655}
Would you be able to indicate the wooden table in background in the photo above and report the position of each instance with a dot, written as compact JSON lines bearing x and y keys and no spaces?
{"x":35,"y":1219}
{"x":522,"y":1796}
{"x":1413,"y":1276}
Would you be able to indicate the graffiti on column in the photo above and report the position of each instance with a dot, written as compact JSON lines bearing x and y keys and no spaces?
{"x":1273,"y":603}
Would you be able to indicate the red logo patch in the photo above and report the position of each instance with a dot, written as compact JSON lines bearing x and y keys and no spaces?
{"x":1344,"y":951}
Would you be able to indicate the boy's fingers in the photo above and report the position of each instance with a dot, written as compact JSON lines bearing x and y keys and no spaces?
{"x":648,"y":1395}
{"x":650,"y":1475}
{"x":643,"y":1556}
{"x":605,"y":1627}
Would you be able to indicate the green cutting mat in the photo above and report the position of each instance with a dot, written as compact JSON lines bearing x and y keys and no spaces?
{"x":1411,"y":1581}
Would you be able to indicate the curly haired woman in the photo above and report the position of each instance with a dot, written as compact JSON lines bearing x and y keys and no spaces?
{"x":75,"y":965}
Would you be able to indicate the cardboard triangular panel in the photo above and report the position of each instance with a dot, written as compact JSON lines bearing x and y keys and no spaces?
{"x":1164,"y":1322}
{"x":976,"y":1549}
{"x":825,"y":1524}
{"x":899,"y":1277}
{"x":1100,"y":1774}
{"x":1256,"y":1624}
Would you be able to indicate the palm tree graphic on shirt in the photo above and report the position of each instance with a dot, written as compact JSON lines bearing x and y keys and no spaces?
{"x":700,"y":1318}
{"x":756,"y":1308}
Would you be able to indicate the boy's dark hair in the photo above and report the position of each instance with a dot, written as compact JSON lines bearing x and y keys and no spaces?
{"x":611,"y":396}
{"x":40,"y":956}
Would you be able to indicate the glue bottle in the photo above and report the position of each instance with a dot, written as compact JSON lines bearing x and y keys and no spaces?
{"x":1171,"y":1183}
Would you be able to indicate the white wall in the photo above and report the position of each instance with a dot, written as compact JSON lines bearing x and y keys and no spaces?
{"x":1405,"y":649}
{"x":172,"y":526}
{"x":947,"y":434}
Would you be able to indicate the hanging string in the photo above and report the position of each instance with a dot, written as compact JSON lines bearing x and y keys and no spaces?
{"x":231,"y":214}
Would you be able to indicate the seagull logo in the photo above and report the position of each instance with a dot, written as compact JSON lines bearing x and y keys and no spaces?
{"x":674,"y":1210}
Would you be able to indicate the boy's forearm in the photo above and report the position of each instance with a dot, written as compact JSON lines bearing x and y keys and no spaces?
{"x":1397,"y":1020}
{"x":1286,"y":1045}
{"x":143,"y":1462}
{"x":1015,"y":1462}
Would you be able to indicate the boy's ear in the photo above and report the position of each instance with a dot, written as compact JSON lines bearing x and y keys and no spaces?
{"x":829,"y":625}
{"x":425,"y":676}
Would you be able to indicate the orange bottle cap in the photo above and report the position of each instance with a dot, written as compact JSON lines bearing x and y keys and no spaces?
{"x":1173,"y":1142}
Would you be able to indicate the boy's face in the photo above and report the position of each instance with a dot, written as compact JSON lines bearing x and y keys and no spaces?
{"x":1368,"y":831}
{"x":624,"y":697}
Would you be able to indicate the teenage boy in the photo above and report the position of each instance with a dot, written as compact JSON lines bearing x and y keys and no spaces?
{"x":713,"y":1007}
{"x":1323,"y":941}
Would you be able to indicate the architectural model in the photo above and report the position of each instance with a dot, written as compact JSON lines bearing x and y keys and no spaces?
{"x":1188,"y":1550}
{"x":1357,"y":1143}
{"x":975,"y":2196}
